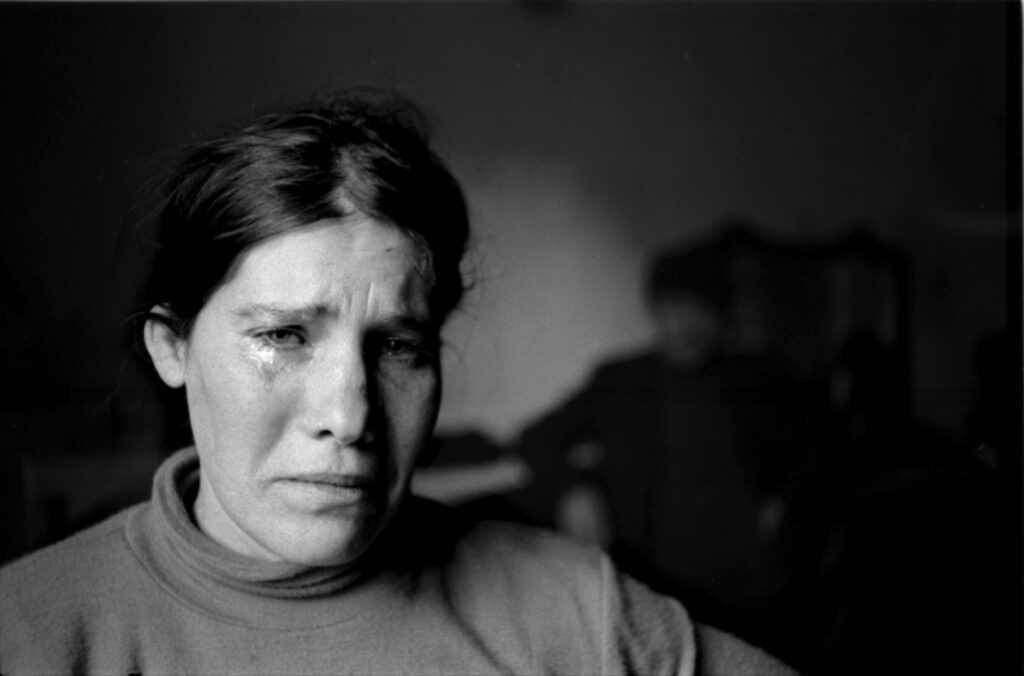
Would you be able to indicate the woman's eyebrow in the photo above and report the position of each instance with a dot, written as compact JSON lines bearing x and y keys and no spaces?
{"x":269,"y":312}
{"x":406,"y":322}
{"x":282,"y":313}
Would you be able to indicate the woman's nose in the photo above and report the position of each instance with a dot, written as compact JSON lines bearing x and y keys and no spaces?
{"x":338,"y":398}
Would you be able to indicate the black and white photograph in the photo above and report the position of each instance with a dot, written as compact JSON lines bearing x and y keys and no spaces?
{"x":511,"y":337}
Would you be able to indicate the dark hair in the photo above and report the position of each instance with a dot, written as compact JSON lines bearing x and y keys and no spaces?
{"x":698,"y":268}
{"x":361,"y":152}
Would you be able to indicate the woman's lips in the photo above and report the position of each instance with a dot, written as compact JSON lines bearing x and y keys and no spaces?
{"x":329,"y":489}
{"x":334,"y":479}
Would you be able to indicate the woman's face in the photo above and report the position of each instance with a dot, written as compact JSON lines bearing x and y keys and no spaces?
{"x":312,"y":383}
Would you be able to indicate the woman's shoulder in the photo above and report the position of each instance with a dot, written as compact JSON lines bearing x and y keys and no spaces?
{"x":498,"y":557}
{"x":564,"y":589}
{"x":51,"y":599}
{"x":519,"y":585}
{"x":499,"y":544}
{"x":68,"y":564}
{"x":523,"y":545}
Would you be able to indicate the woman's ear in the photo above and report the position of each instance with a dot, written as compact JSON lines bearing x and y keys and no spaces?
{"x":166,"y":348}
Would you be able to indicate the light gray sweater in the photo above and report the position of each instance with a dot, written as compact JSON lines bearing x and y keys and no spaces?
{"x":147,"y":592}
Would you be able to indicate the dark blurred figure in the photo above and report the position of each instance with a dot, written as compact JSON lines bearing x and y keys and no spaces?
{"x":677,"y":458}
{"x":993,"y":424}
{"x":911,"y":545}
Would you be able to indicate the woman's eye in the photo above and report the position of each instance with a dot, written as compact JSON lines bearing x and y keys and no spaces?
{"x":286,"y":337}
{"x":397,"y":347}
{"x":404,"y":349}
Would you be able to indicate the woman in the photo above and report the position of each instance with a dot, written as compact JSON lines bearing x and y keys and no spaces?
{"x":306,"y":266}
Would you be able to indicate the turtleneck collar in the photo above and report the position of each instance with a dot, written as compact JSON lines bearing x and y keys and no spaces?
{"x":218,"y":581}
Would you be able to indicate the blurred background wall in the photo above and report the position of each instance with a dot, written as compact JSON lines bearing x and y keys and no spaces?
{"x":586,"y":135}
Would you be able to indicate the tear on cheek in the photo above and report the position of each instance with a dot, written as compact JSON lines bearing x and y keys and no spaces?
{"x":266,"y":361}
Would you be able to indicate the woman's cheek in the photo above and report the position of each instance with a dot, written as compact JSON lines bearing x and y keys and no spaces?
{"x":252,"y":406}
{"x":268,"y":363}
{"x":413,"y":403}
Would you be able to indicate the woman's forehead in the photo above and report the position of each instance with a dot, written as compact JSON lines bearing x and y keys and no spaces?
{"x":334,"y":266}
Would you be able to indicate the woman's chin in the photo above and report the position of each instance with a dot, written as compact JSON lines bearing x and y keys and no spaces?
{"x":337,"y":548}
{"x":328,"y":542}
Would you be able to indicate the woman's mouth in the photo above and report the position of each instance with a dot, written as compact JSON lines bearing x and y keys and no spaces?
{"x":330,"y":489}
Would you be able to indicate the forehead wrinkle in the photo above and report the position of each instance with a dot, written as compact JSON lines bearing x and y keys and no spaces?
{"x":390,"y":305}
{"x":276,"y":311}
{"x":374,"y":277}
